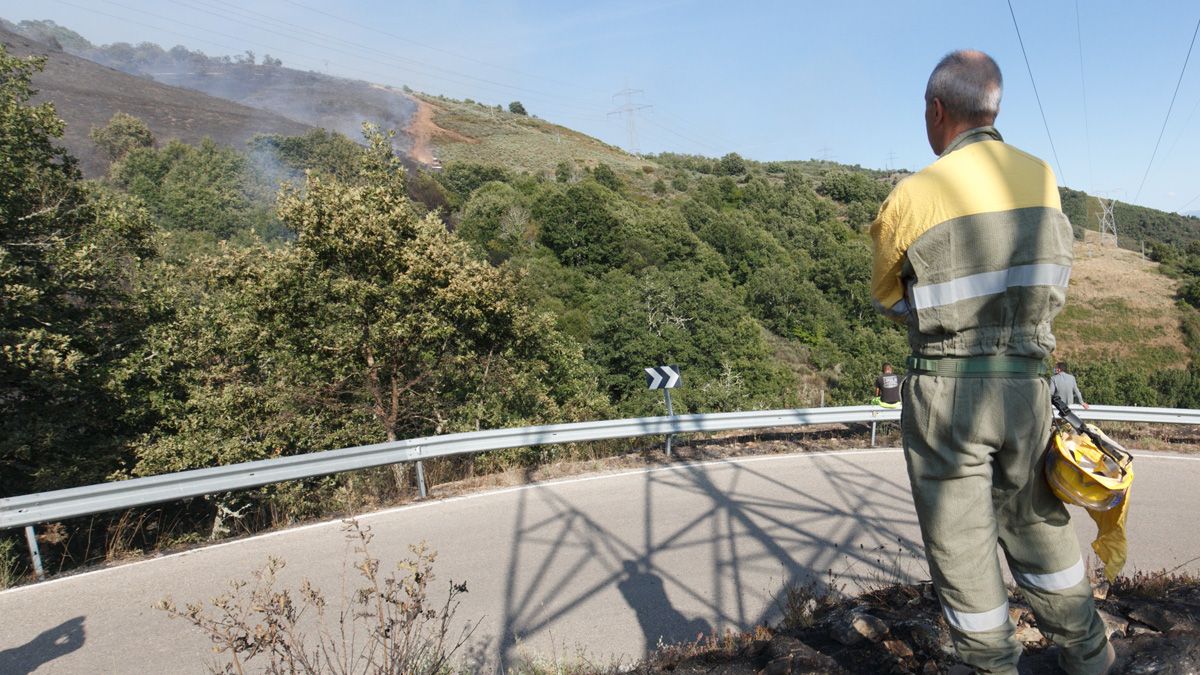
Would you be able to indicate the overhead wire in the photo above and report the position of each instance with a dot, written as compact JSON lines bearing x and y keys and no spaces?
{"x":170,"y":31}
{"x":235,"y":47}
{"x":590,"y":113}
{"x":1189,"y":203}
{"x":593,"y":114}
{"x":430,"y":47}
{"x":1042,"y":110}
{"x":411,"y":65}
{"x":1169,"y":108}
{"x":680,"y":135}
{"x":668,"y":128}
{"x":1182,"y":129}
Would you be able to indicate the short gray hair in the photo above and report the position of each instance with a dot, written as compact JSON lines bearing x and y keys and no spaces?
{"x":968,"y":83}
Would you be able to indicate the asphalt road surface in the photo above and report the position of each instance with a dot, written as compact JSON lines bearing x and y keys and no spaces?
{"x":598,"y":567}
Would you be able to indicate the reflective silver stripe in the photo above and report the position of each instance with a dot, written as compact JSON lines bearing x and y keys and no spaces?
{"x":976,"y":622}
{"x":990,"y":283}
{"x":1054,"y":581}
{"x":898,"y":310}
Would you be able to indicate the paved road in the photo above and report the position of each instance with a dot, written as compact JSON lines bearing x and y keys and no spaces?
{"x":600,"y":566}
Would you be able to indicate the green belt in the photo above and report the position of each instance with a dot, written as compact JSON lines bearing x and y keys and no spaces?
{"x":978,"y":366}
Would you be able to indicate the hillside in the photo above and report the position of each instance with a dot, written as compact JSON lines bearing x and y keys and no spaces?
{"x":87,"y":94}
{"x":314,"y":99}
{"x":1120,"y":306}
{"x":484,"y":134}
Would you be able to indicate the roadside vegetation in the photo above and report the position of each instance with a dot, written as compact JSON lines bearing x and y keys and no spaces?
{"x":386,"y":622}
{"x":396,"y":620}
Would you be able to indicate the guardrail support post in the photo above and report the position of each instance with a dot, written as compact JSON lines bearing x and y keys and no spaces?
{"x":421,"y":478}
{"x":670,"y":413}
{"x":872,"y":434}
{"x":34,"y":554}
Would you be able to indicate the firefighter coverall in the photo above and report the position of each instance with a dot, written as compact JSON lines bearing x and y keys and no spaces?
{"x":973,"y":254}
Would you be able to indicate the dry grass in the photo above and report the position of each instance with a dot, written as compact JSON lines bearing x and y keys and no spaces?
{"x":386,"y":624}
{"x":1119,"y":307}
{"x":477,"y":133}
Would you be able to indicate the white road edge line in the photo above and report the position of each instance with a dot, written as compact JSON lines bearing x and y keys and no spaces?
{"x":493,"y":493}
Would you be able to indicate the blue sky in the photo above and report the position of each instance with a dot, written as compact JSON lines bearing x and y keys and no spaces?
{"x":769,"y":80}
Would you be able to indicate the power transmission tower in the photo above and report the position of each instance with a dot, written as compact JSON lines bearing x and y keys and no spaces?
{"x":1108,"y":224}
{"x":629,"y":110}
{"x":891,"y":160}
{"x":825,"y":153}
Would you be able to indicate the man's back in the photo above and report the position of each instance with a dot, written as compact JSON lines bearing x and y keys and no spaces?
{"x":973,"y":254}
{"x":888,"y":385}
{"x":1064,"y":385}
{"x":977,"y":246}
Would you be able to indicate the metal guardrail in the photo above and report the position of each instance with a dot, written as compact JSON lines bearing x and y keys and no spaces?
{"x":28,"y":510}
{"x":81,"y":501}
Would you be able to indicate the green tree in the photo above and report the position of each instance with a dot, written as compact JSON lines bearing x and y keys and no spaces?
{"x":288,"y":157}
{"x":516,"y":108}
{"x":207,"y":188}
{"x":731,"y":164}
{"x":122,"y":134}
{"x":463,"y":178}
{"x":564,"y":172}
{"x":578,"y":224}
{"x":680,"y":317}
{"x":605,"y":176}
{"x":495,"y":220}
{"x":374,"y":324}
{"x":68,"y":260}
{"x":852,"y":186}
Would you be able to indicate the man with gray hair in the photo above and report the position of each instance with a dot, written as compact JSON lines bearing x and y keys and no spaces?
{"x":973,"y":254}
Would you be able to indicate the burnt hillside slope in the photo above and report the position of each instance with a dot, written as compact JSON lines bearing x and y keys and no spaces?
{"x":87,"y":94}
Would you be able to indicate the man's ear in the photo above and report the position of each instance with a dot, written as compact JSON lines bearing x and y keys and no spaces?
{"x":939,"y":111}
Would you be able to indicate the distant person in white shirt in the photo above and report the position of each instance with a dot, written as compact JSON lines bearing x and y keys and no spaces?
{"x":1064,"y":386}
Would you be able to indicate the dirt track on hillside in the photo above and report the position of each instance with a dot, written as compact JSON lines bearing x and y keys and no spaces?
{"x":423,"y":130}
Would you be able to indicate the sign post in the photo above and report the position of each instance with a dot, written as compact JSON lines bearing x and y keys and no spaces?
{"x":665,"y":378}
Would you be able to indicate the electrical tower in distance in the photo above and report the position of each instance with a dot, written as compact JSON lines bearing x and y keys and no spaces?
{"x":1108,"y":224}
{"x":629,"y":110}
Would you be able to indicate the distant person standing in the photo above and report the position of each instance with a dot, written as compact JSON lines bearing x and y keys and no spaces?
{"x":1063,"y":385}
{"x":887,"y":388}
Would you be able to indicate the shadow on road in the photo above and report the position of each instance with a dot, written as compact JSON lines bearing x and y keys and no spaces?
{"x":752,"y":526}
{"x":658,"y":619}
{"x":61,"y":640}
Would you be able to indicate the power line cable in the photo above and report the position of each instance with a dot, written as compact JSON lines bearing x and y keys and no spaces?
{"x":591,"y":114}
{"x":1189,"y":203}
{"x":677,"y":134}
{"x":382,"y":77}
{"x":695,"y":131}
{"x":1169,"y":108}
{"x":1035,"y":94}
{"x":263,"y":16}
{"x":428,"y":46}
{"x":403,"y":62}
{"x":187,"y":36}
{"x":240,"y":41}
{"x":1182,"y":129}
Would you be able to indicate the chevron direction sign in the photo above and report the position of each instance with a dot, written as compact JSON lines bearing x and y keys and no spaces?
{"x":663,"y":377}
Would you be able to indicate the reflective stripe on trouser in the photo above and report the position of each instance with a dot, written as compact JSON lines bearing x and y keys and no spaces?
{"x":974,"y":448}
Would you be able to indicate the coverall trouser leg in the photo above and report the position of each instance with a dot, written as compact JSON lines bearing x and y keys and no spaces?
{"x":974,"y":451}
